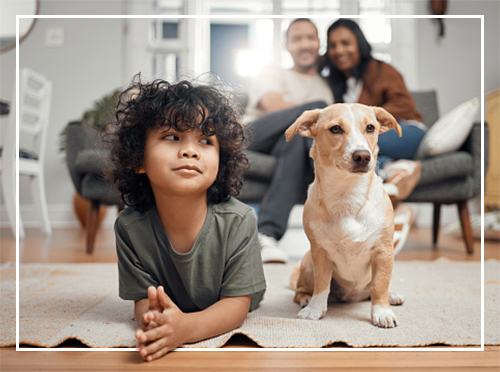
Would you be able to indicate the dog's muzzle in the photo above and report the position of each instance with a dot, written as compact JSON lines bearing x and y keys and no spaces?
{"x":361,"y":161}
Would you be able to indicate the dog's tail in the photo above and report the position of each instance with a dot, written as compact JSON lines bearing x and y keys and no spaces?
{"x":294,"y":278}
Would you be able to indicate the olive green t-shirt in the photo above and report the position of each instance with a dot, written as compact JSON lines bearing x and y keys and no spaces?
{"x":225,"y":259}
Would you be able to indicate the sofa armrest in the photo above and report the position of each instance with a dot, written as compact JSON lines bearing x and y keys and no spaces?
{"x":439,"y":168}
{"x":473,"y":146}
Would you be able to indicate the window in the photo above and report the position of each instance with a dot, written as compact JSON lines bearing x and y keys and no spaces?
{"x":310,"y":7}
{"x":378,"y":31}
{"x":241,"y":7}
{"x":264,"y":38}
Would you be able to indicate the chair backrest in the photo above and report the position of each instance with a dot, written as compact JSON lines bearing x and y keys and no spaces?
{"x":80,"y":137}
{"x":427,"y":104}
{"x":35,"y":94}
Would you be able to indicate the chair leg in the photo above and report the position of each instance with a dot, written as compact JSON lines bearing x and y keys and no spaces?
{"x":435,"y":224}
{"x":38,"y":193}
{"x":463,"y":211}
{"x":92,"y":224}
{"x":9,"y":195}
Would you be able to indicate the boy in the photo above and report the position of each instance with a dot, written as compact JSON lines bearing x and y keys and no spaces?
{"x":188,"y":253}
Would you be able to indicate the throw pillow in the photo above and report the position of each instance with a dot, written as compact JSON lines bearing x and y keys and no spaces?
{"x":450,"y":131}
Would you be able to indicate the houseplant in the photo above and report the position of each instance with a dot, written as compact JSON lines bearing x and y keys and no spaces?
{"x":98,"y":117}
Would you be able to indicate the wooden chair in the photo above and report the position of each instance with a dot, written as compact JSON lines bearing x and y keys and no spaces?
{"x":35,"y":93}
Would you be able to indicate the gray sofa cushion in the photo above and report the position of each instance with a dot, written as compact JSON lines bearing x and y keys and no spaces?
{"x":253,"y":191}
{"x":446,"y":192}
{"x":91,"y":161}
{"x":261,"y":166}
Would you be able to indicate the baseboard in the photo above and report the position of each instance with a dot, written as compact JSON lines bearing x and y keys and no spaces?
{"x":60,"y":216}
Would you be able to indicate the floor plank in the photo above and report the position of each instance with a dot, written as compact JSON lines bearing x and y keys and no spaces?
{"x":255,"y":360}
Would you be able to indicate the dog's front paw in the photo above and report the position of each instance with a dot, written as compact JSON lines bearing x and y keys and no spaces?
{"x":310,"y":313}
{"x":316,"y":308}
{"x":383,"y":317}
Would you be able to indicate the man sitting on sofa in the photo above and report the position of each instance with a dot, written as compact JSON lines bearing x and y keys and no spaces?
{"x":276,"y":100}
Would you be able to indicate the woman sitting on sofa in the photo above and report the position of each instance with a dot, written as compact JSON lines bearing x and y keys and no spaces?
{"x":356,"y":77}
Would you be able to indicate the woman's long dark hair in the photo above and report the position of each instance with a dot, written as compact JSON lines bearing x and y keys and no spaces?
{"x":336,"y":78}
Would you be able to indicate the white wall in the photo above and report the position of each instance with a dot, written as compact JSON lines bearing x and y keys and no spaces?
{"x":451,"y":65}
{"x":491,"y":11}
{"x":98,"y":56}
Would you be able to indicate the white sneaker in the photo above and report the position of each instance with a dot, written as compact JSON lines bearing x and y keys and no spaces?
{"x":271,"y":251}
{"x":403,"y":218}
{"x":404,"y":175}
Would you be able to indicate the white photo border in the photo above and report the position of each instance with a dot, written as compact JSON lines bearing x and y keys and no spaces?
{"x":323,"y":349}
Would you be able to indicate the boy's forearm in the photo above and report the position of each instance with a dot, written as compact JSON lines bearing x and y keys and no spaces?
{"x":223,"y":316}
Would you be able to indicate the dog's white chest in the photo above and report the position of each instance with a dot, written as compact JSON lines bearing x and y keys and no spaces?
{"x":349,"y":243}
{"x":364,"y":227}
{"x":361,"y":229}
{"x":366,"y":224}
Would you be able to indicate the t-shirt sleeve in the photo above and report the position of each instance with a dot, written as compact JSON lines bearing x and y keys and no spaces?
{"x":270,"y":79}
{"x":244,"y":273}
{"x":133,"y":279}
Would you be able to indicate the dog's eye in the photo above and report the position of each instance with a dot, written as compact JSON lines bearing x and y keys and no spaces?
{"x":370,"y":128}
{"x":336,"y":129}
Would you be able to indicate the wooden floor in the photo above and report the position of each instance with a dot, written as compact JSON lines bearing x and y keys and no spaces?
{"x":67,"y":245}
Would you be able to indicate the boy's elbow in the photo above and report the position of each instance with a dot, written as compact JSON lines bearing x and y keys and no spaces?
{"x":244,"y":308}
{"x":240,"y":318}
{"x":241,"y":306}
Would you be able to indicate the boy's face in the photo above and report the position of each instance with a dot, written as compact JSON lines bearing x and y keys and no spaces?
{"x":180,"y":163}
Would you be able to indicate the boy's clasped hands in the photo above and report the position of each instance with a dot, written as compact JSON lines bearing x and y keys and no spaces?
{"x":161,"y":327}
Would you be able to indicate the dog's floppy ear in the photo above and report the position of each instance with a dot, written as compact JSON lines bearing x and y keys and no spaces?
{"x":303,"y":124}
{"x":387,"y":121}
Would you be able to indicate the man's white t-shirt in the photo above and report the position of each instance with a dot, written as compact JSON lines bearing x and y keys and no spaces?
{"x":294,"y":87}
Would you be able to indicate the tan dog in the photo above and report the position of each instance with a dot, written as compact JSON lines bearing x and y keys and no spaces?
{"x":348,"y":217}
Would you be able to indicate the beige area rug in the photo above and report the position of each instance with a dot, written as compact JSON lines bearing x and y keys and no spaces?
{"x":80,"y":301}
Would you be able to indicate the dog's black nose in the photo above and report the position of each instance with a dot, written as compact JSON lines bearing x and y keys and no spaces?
{"x":361,"y":157}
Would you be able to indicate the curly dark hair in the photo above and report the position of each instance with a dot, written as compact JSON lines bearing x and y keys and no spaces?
{"x":179,"y":106}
